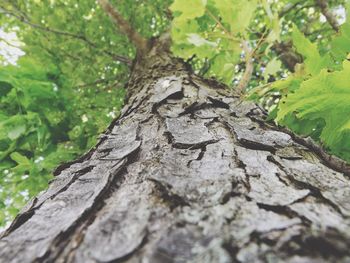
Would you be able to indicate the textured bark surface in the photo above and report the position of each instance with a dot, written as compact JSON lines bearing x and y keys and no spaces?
{"x":187,"y":174}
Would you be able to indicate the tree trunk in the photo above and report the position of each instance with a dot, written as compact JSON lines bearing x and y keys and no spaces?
{"x":187,"y":174}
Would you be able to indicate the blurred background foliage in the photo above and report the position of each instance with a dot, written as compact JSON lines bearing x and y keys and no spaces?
{"x":64,"y":65}
{"x":64,"y":90}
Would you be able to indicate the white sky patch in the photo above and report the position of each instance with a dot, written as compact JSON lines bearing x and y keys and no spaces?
{"x":340,"y":13}
{"x":84,"y":118}
{"x":10,"y":47}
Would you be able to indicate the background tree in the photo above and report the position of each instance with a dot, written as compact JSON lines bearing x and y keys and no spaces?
{"x":214,"y":33}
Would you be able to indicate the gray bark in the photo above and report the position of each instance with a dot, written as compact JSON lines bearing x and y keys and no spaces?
{"x":188,"y":173}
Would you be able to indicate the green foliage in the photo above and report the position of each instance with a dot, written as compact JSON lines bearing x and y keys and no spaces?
{"x":188,"y":9}
{"x":315,"y":98}
{"x":324,"y":101}
{"x":212,"y":30}
{"x":41,"y":127}
{"x":313,"y":61}
{"x":65,"y":90}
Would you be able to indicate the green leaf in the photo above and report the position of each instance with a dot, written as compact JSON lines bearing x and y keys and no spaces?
{"x":189,"y":9}
{"x":313,"y":60}
{"x":189,"y":42}
{"x":324,"y":97}
{"x":236,"y":13}
{"x":20,"y":159}
{"x":5,"y":88}
{"x":182,"y":28}
{"x":223,"y":66}
{"x":272,"y":67}
{"x":16,"y":131}
{"x":340,"y":44}
{"x":13,"y":127}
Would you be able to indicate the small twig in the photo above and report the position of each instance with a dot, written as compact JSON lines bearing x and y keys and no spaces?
{"x":15,"y":6}
{"x":260,"y":41}
{"x":249,"y":68}
{"x":331,"y":18}
{"x":217,"y":21}
{"x":287,"y":8}
{"x":249,"y":64}
{"x":9,"y":43}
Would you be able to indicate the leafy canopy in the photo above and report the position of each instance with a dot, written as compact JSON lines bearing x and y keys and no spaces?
{"x":324,"y":99}
{"x":315,"y":98}
{"x":212,"y":30}
{"x":65,"y":90}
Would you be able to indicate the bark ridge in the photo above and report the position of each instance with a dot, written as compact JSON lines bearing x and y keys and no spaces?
{"x":187,"y":174}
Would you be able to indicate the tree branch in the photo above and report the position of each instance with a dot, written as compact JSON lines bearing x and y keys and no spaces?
{"x":8,"y":43}
{"x":249,"y":63}
{"x":249,"y":68}
{"x":331,"y":19}
{"x":287,"y":8}
{"x":25,"y":20}
{"x":124,"y":27}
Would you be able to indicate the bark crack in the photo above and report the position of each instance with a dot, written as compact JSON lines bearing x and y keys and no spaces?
{"x":329,"y":160}
{"x":314,"y":191}
{"x":77,"y":230}
{"x":173,"y":200}
{"x":256,"y":146}
{"x":62,"y":240}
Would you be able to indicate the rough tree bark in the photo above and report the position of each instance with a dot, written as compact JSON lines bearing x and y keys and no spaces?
{"x":188,"y":173}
